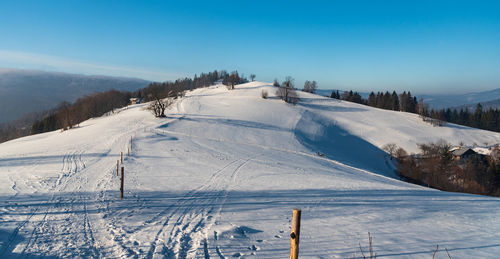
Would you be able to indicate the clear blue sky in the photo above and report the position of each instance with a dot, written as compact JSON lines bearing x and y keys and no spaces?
{"x":424,"y":46}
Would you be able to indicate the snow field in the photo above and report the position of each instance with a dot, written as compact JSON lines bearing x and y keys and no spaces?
{"x":218,"y":178}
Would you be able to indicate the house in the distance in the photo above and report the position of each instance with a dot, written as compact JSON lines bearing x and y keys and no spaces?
{"x":134,"y":101}
{"x":218,"y":82}
{"x":464,"y":154}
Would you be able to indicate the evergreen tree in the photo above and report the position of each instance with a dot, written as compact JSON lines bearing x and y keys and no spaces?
{"x":477,"y":116}
{"x":372,"y":100}
{"x":387,"y":103}
{"x":335,"y":94}
{"x":403,"y":102}
{"x":395,"y":101}
{"x":276,"y":83}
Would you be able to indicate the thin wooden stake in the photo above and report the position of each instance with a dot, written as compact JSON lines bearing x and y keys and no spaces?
{"x":128,"y":152}
{"x":295,"y":234}
{"x":435,"y":252}
{"x":117,"y":166}
{"x":121,"y":184}
{"x":121,"y":157}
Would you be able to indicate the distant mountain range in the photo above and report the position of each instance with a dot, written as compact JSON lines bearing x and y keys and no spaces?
{"x":328,"y":92}
{"x":487,"y":99}
{"x":495,"y":104}
{"x":491,"y":98}
{"x":27,"y":91}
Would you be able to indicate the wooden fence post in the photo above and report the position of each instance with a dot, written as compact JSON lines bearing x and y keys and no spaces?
{"x":121,"y":157}
{"x":121,"y":184}
{"x":295,"y":234}
{"x":117,"y":167}
{"x":128,"y":151}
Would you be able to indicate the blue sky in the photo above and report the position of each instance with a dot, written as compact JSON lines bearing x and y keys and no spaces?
{"x":423,"y":46}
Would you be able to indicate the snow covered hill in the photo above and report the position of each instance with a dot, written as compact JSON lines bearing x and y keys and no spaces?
{"x":219,"y":177}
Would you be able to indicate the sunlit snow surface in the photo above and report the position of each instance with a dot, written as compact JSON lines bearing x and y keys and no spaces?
{"x":219,"y":177}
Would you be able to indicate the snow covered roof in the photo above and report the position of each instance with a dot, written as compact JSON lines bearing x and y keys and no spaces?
{"x":462,"y":151}
{"x":482,"y":150}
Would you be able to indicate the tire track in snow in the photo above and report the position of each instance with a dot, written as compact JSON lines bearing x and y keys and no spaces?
{"x":193,"y":223}
{"x":186,"y":201}
{"x":219,"y":209}
{"x":44,"y":220}
{"x":14,"y":235}
{"x":89,"y":235}
{"x":47,"y":232}
{"x":337,"y":164}
{"x":66,"y":166}
{"x":181,"y":237}
{"x":71,"y":165}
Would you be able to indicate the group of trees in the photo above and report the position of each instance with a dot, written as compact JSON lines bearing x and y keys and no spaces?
{"x":178,"y":87}
{"x":402,"y":102}
{"x":8,"y":132}
{"x":436,"y":167}
{"x":20,"y":127}
{"x":67,"y":115}
{"x":310,"y":87}
{"x":488,"y":119}
{"x":234,"y":79}
{"x":286,"y":90}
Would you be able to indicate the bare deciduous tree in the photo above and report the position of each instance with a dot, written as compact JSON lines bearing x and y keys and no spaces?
{"x":232,"y":79}
{"x":313,"y":87}
{"x":307,"y":86}
{"x":391,"y":149}
{"x":286,"y":91}
{"x":158,"y":107}
{"x":401,"y":154}
{"x":310,"y":87}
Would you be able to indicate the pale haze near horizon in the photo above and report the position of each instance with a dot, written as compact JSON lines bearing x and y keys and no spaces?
{"x":422,"y":46}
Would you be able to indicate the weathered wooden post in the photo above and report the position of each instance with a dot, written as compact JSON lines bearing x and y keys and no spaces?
{"x":295,"y":234}
{"x":117,"y":167}
{"x":121,"y":157}
{"x":128,"y":151}
{"x":121,"y":184}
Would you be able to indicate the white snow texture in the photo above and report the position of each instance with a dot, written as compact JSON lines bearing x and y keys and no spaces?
{"x":219,"y":177}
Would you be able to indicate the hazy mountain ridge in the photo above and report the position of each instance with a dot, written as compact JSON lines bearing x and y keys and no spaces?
{"x":490,"y":98}
{"x":328,"y":92}
{"x":461,"y":100}
{"x":495,"y":104}
{"x":25,"y":91}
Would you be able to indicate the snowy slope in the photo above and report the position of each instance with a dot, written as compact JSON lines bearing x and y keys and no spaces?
{"x":219,"y":176}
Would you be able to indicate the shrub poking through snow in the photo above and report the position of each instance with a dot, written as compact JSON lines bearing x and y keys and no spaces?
{"x":158,"y":107}
{"x":263,"y":94}
{"x":371,"y":253}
